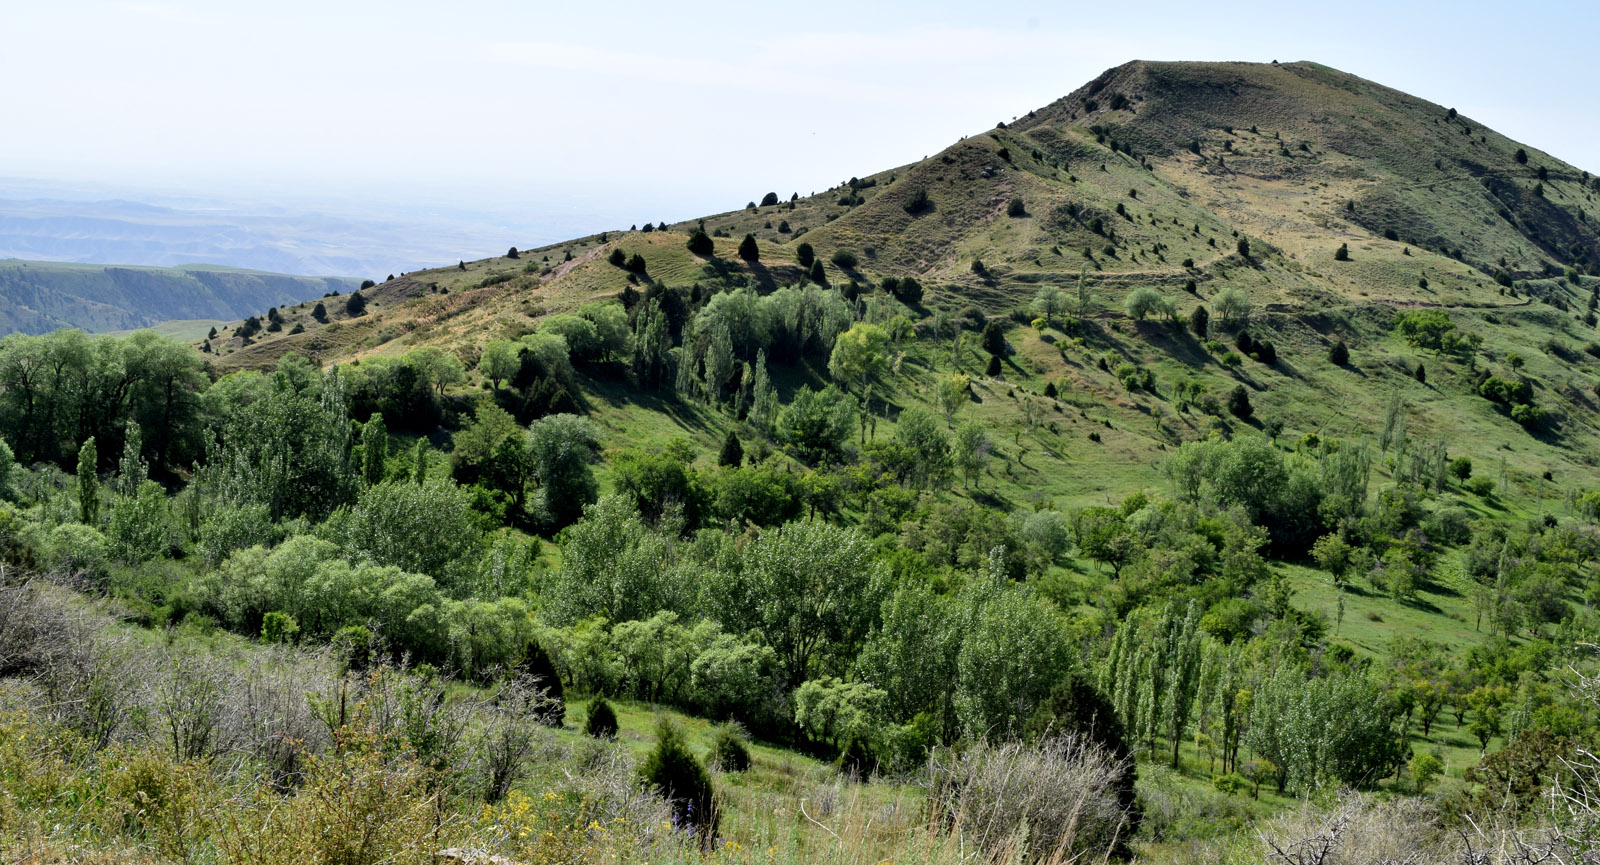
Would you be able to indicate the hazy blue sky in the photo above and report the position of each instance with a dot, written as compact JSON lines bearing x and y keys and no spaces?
{"x":622,"y":112}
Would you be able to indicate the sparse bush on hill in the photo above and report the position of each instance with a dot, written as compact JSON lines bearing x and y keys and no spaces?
{"x":844,"y":259}
{"x":601,"y":721}
{"x":1342,"y":253}
{"x":1016,"y":208}
{"x":700,"y":243}
{"x":354,"y":305}
{"x":748,"y":250}
{"x":1339,"y":353}
{"x":769,"y":199}
{"x":1239,"y":403}
{"x":919,"y":203}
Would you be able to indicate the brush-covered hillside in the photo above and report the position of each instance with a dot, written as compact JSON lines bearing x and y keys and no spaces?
{"x":41,"y":296}
{"x":1322,"y":206}
{"x":1200,"y":468}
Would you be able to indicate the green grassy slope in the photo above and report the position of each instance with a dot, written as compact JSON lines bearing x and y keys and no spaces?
{"x":1297,"y":159}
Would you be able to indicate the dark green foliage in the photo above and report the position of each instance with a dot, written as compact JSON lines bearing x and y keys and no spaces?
{"x":1016,"y":209}
{"x":1339,"y":353}
{"x":1243,"y":246}
{"x":994,"y":368}
{"x":1342,"y":253}
{"x":673,"y":773}
{"x":1200,"y":321}
{"x":994,"y":337}
{"x":818,"y":274}
{"x":729,"y":753}
{"x":541,"y":673}
{"x":919,"y":203}
{"x":908,"y":291}
{"x":355,"y":304}
{"x":1265,"y":352}
{"x":1244,"y":343}
{"x":805,"y":255}
{"x":844,"y":259}
{"x":618,"y":258}
{"x":1050,"y":390}
{"x":512,"y":253}
{"x":1521,"y":156}
{"x":748,"y":250}
{"x":1239,"y":403}
{"x":700,"y":243}
{"x":601,"y":721}
{"x":635,"y":264}
{"x":732,"y":453}
{"x":1420,"y":374}
{"x":769,"y":199}
{"x":856,"y":760}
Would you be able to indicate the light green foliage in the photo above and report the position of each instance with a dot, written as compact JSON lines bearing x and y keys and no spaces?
{"x":816,"y":424}
{"x":833,"y":711}
{"x":553,"y":354}
{"x":1329,"y":729}
{"x":1430,"y":329}
{"x":952,"y":393}
{"x":561,"y":447}
{"x":613,"y":339}
{"x":288,"y":450}
{"x":655,"y":654}
{"x":277,"y":627}
{"x":921,"y":436}
{"x":912,"y":655}
{"x":441,"y":368}
{"x":137,"y":523}
{"x":1050,"y":532}
{"x":732,"y":677}
{"x":766,"y":495}
{"x":426,"y":528}
{"x":499,"y":361}
{"x":8,"y":464}
{"x":230,"y":526}
{"x":613,"y":565}
{"x":74,"y":548}
{"x":1141,"y":302}
{"x":374,"y":449}
{"x":763,"y":396}
{"x":1232,"y":304}
{"x":860,"y":356}
{"x":652,"y":346}
{"x":811,"y":588}
{"x":1014,"y":653}
{"x":969,"y":451}
{"x":88,"y":483}
{"x":1333,"y":554}
{"x":1424,"y":770}
{"x":1048,"y":303}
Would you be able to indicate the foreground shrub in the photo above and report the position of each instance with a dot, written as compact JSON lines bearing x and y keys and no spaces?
{"x":729,"y":752}
{"x":602,"y":720}
{"x":676,"y":776}
{"x":1054,"y":800}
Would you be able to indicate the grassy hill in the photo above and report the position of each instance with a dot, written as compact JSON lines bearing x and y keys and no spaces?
{"x":40,"y":296}
{"x":1291,"y":208}
{"x":1148,"y":176}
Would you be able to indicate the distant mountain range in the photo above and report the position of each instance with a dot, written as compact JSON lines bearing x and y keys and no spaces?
{"x":37,"y":296}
